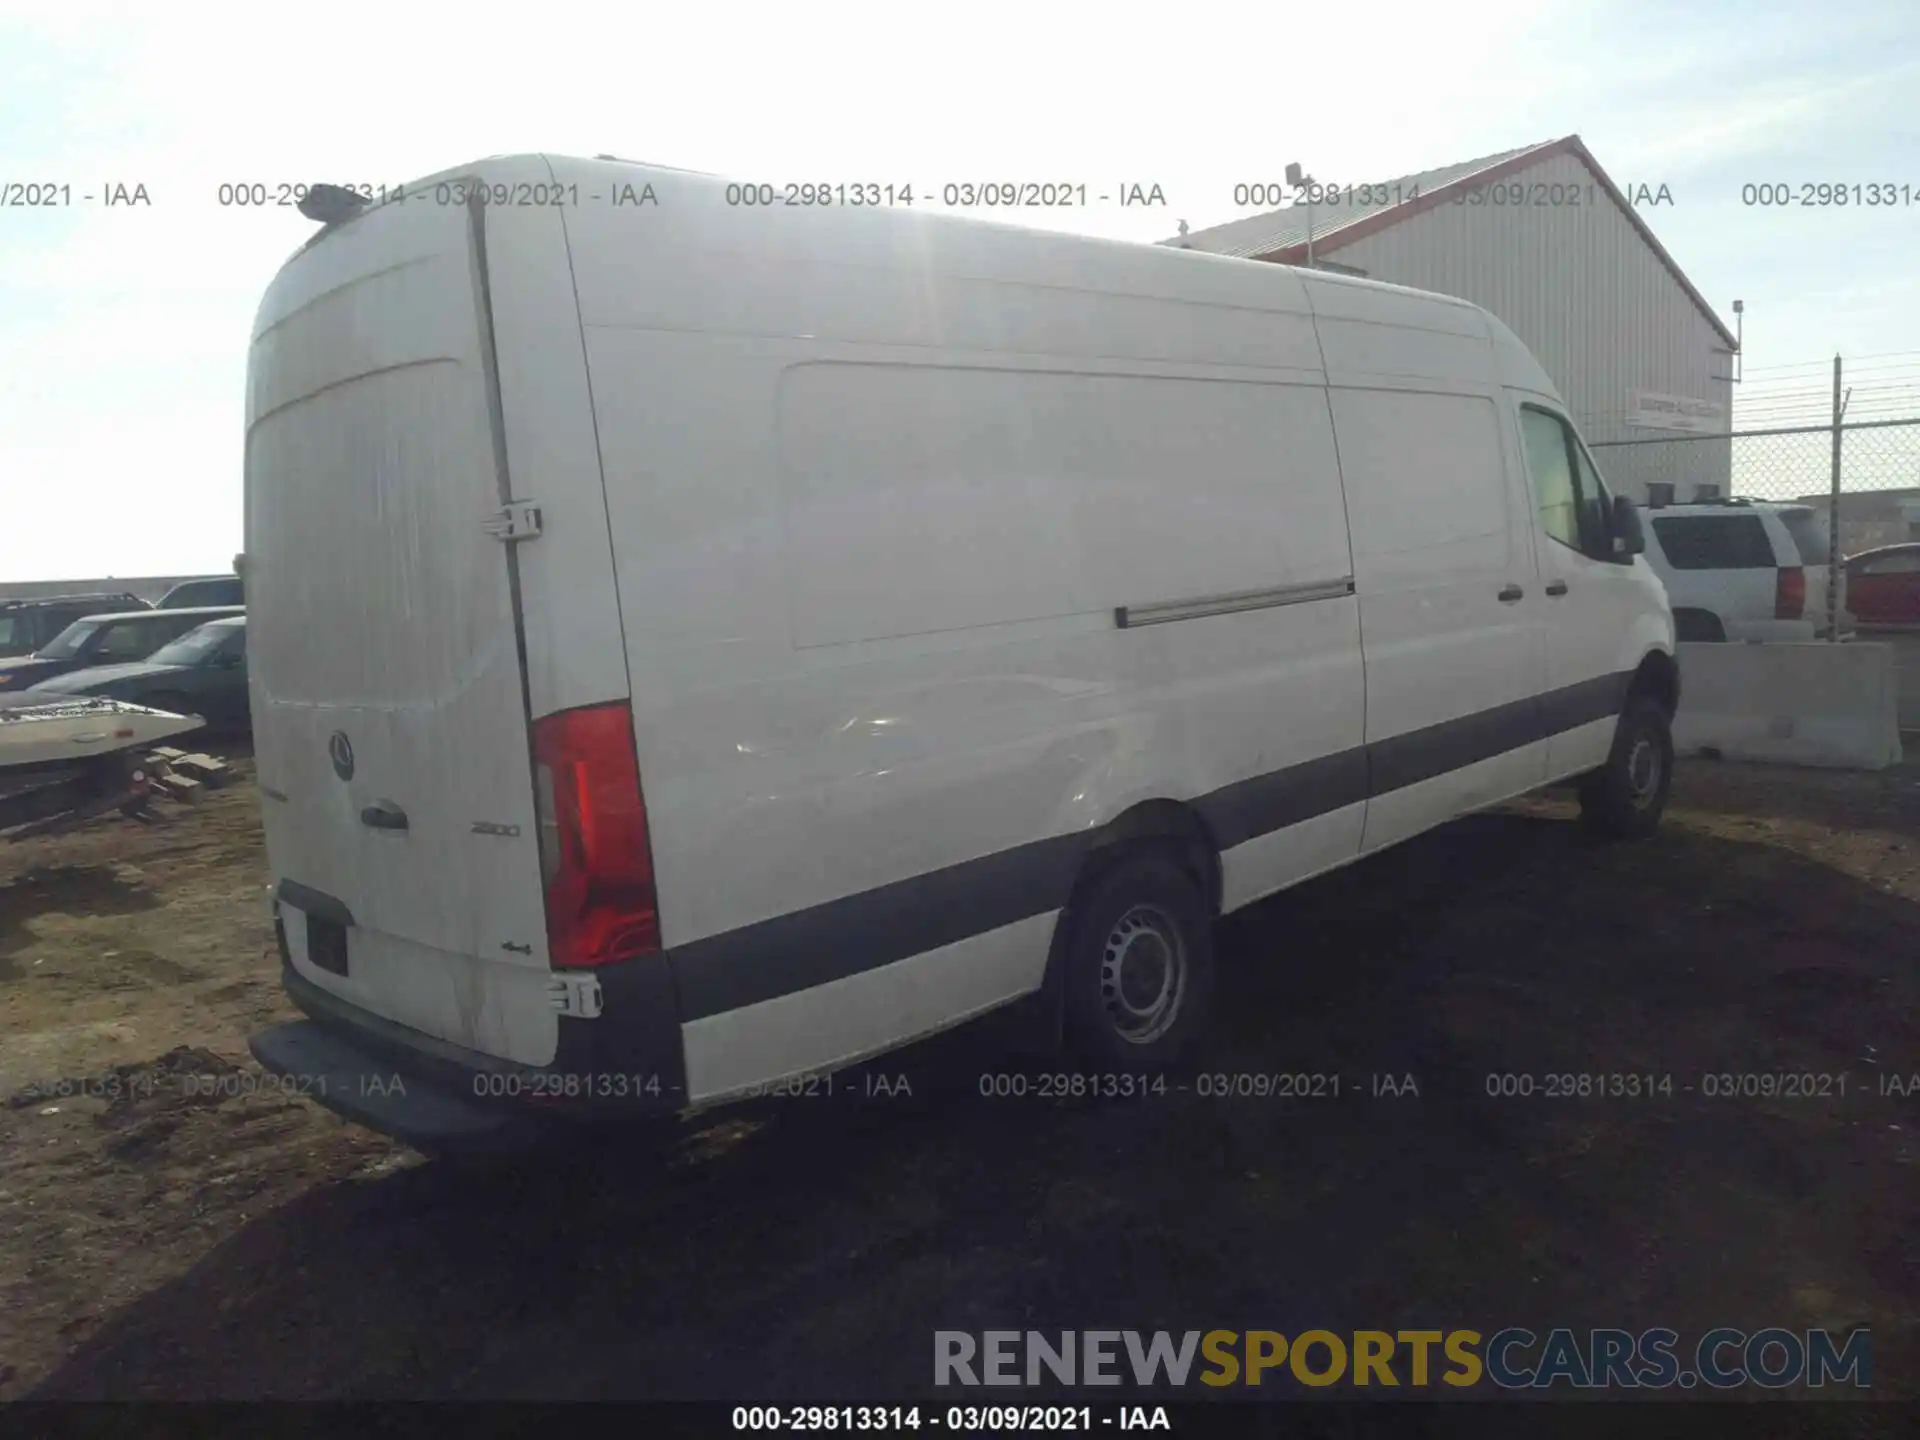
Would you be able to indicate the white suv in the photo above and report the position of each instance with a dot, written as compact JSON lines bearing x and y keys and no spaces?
{"x":1741,"y":569}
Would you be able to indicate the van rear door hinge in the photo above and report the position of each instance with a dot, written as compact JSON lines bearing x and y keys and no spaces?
{"x":577,"y":995}
{"x":516,"y":520}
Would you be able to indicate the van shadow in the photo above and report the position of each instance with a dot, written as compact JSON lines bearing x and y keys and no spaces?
{"x":814,"y":1256}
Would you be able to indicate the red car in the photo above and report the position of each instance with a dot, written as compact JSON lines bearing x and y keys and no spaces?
{"x":1883,"y":586}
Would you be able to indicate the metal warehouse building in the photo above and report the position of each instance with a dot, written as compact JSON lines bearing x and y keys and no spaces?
{"x":1545,"y":240}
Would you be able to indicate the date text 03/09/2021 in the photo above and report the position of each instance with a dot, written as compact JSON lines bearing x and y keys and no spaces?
{"x":958,"y":195}
{"x":810,"y":194}
{"x":959,"y":1419}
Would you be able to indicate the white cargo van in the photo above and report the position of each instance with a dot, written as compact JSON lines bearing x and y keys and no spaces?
{"x":698,"y":644}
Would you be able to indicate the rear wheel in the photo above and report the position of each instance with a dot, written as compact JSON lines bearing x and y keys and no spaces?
{"x":1138,"y":969}
{"x":1625,"y":798}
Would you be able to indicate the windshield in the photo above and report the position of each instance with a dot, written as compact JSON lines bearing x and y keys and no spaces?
{"x":194,"y":647}
{"x":67,"y":643}
{"x":16,"y":634}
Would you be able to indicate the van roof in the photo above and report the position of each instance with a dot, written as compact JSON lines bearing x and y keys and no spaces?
{"x":1138,"y":262}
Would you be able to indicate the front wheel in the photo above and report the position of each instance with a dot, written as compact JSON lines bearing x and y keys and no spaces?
{"x":1625,"y":797}
{"x":1138,"y":968}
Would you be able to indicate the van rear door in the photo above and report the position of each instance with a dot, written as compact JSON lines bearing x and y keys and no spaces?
{"x":388,"y":692}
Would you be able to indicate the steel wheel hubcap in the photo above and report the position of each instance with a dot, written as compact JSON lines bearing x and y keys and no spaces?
{"x":1143,"y":975}
{"x":1643,"y":770}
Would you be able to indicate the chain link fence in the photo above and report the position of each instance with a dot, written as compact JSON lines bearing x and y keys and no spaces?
{"x":1879,"y":473}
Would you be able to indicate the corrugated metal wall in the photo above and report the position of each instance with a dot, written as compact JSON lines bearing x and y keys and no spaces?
{"x":1594,"y":303}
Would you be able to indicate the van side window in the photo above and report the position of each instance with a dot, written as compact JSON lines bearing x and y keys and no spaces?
{"x":1554,"y":492}
{"x":1572,"y":501}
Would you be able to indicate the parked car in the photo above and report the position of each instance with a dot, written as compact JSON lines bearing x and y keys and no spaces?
{"x":26,"y":625}
{"x":1883,"y":585}
{"x":105,"y":640}
{"x":203,"y":672}
{"x":911,"y":617}
{"x":1741,"y":569}
{"x":214,"y":590}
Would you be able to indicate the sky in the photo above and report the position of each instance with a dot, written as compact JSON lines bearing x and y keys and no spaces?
{"x":123,"y":329}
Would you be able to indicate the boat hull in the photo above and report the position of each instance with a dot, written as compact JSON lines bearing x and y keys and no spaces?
{"x":57,"y":733}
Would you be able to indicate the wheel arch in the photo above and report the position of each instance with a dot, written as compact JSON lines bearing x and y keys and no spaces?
{"x":1164,"y":824}
{"x":1657,"y":677}
{"x":1170,"y":824}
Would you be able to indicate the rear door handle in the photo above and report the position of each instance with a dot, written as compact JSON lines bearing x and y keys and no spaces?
{"x":384,"y":817}
{"x":1557,"y":587}
{"x":1510,"y":594}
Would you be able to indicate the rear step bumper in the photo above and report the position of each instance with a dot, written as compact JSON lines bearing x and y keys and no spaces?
{"x":371,"y":1092}
{"x":449,"y":1098}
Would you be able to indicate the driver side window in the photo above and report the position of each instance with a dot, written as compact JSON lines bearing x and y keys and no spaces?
{"x":1572,"y":502}
{"x":1554,"y":493}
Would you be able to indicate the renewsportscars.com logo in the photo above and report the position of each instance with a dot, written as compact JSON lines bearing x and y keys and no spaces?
{"x":1512,"y":1359}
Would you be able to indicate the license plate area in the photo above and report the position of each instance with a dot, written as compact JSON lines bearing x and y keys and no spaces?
{"x":327,"y":944}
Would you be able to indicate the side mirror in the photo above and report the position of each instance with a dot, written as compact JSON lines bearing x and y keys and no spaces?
{"x":1629,"y":539}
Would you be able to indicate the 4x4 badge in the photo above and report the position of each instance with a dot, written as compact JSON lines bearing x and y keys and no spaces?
{"x":341,"y":750}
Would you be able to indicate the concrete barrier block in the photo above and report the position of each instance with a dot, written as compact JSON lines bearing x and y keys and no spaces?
{"x":1834,"y":706}
{"x":1906,"y":649}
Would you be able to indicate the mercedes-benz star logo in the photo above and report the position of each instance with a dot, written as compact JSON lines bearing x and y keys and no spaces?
{"x":341,"y":750}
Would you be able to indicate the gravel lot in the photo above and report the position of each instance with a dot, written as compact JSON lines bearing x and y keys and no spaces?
{"x":166,"y":1244}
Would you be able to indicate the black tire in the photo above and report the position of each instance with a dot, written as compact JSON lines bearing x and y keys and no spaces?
{"x":1137,"y":972}
{"x":1699,"y":626}
{"x":1625,"y":798}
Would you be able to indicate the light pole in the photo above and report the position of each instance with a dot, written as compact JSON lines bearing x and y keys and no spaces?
{"x":1299,"y":179}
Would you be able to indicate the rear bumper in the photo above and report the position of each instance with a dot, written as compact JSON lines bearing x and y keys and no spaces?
{"x":440,"y":1097}
{"x":369,"y":1091}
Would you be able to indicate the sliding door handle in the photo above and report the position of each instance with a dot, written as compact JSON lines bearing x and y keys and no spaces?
{"x":1558,"y":587}
{"x":1510,"y":594}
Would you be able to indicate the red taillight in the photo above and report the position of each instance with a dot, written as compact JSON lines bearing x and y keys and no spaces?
{"x":1790,"y":594}
{"x":595,"y":854}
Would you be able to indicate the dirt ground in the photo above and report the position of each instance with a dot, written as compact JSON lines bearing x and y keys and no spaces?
{"x":158,"y":1241}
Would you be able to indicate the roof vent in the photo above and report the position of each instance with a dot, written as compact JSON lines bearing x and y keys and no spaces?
{"x":1659,"y":494}
{"x":330,"y":204}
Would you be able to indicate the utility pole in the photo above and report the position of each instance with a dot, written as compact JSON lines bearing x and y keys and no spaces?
{"x":1833,"y":513}
{"x":1299,"y":179}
